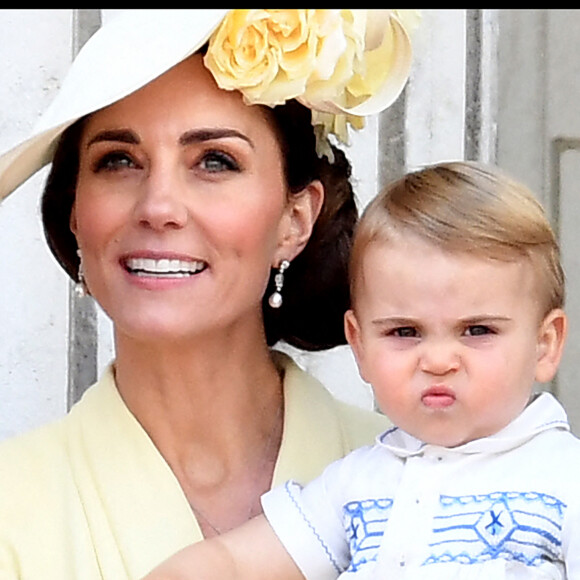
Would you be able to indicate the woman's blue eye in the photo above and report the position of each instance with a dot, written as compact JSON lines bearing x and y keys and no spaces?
{"x":218,"y":161}
{"x":114,"y":161}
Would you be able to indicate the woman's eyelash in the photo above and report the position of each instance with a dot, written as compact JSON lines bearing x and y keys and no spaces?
{"x":212,"y":161}
{"x":215,"y":161}
{"x":113,"y":161}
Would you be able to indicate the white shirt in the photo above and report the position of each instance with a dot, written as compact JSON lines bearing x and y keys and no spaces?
{"x":506,"y":506}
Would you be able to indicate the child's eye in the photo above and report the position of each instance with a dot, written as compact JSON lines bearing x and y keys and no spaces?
{"x":478,"y":330}
{"x":115,"y":161}
{"x":218,"y":161}
{"x":405,"y":332}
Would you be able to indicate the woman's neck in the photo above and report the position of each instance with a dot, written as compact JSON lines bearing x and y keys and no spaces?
{"x":174,"y":384}
{"x":214,"y":411}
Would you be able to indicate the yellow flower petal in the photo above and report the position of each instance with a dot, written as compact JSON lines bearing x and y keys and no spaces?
{"x":386,"y":70}
{"x":341,"y":63}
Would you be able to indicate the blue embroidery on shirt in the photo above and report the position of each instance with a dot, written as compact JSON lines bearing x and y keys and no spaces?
{"x":364,"y":524}
{"x":387,"y":433}
{"x":495,"y":526}
{"x":520,"y":526}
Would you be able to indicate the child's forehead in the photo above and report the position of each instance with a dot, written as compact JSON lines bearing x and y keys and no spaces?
{"x":410,"y":247}
{"x":410,"y":258}
{"x":412,"y":271}
{"x":401,"y":240}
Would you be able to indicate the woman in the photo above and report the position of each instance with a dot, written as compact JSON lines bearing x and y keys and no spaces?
{"x":176,"y":190}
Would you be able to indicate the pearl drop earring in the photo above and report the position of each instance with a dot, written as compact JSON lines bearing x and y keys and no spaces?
{"x":275,"y":300}
{"x":80,"y":285}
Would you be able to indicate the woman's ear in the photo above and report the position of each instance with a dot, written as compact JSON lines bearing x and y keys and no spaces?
{"x":73,"y":220}
{"x":551,"y":340}
{"x":299,"y":219}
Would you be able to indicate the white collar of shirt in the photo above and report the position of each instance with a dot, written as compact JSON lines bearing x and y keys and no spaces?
{"x":543,"y":413}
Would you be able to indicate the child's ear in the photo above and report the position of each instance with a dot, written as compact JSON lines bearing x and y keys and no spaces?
{"x":352,"y":332}
{"x":551,"y":339}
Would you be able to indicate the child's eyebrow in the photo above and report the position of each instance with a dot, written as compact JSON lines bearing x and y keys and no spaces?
{"x":485,"y":318}
{"x":411,"y":321}
{"x":395,"y":321}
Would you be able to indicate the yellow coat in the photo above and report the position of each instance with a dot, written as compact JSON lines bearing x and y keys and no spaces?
{"x":89,"y":497}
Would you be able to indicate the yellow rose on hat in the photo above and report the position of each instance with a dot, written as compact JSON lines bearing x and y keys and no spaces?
{"x":343,"y":64}
{"x":269,"y":55}
{"x":328,"y":83}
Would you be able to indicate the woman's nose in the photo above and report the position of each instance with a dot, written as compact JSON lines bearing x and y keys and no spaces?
{"x":161,"y":203}
{"x":439,"y":357}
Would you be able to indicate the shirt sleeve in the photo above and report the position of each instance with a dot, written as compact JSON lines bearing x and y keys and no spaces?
{"x":309,"y":521}
{"x":304,"y":538}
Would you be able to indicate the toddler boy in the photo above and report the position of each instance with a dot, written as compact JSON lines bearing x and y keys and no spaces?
{"x":457,"y":297}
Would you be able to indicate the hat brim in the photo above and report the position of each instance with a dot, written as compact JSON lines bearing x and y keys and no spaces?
{"x":120,"y":58}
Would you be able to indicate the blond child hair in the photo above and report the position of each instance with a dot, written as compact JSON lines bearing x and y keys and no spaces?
{"x":465,"y":207}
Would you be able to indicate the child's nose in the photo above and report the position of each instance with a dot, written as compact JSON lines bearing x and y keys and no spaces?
{"x":440,"y":357}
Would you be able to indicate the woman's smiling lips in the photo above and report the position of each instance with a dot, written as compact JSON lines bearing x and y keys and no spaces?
{"x":438,"y":397}
{"x":162,"y":266}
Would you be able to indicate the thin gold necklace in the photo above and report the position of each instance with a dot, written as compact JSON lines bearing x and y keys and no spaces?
{"x":269,"y":442}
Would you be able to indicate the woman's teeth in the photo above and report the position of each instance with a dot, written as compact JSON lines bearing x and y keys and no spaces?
{"x":165,"y":268}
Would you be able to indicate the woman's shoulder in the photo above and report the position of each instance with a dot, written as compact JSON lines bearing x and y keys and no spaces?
{"x":44,"y":452}
{"x":49,"y":442}
{"x":357,"y":426}
{"x":361,"y":426}
{"x":33,"y":466}
{"x":34,"y":447}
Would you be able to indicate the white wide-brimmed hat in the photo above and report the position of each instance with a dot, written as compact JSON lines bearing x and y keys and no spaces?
{"x":138,"y":46}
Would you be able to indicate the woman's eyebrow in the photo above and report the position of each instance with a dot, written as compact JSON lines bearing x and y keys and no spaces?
{"x":188,"y":138}
{"x":120,"y":135}
{"x":201,"y":135}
